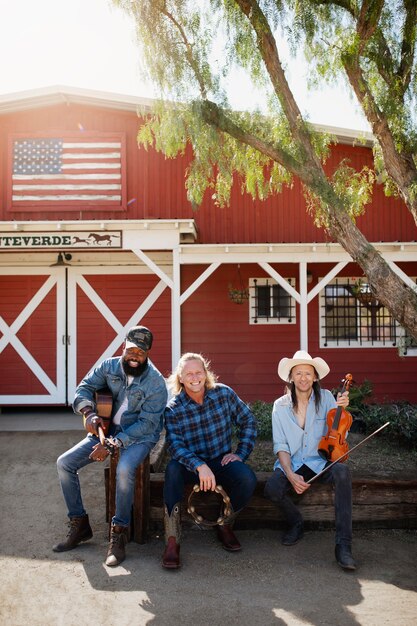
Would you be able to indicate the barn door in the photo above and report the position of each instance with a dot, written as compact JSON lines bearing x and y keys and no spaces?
{"x":103,"y":303}
{"x":33,"y":336}
{"x":56,"y":323}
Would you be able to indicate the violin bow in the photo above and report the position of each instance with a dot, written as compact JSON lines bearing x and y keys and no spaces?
{"x":346,"y":453}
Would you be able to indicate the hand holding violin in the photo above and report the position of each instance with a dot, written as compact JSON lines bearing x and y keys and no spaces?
{"x":343,"y":399}
{"x":334,"y":445}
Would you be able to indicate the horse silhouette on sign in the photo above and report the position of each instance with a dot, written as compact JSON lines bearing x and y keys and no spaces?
{"x":101,"y":240}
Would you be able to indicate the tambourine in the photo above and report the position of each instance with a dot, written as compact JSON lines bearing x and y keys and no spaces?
{"x":199,"y":519}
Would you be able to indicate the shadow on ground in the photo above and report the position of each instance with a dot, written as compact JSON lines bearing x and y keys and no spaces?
{"x":265,"y":584}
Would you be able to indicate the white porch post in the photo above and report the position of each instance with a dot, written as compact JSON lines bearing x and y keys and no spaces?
{"x":176,"y":308}
{"x":303,"y":307}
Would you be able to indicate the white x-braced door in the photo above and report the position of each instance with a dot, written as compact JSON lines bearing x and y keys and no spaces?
{"x":32,"y":336}
{"x":58,"y":322}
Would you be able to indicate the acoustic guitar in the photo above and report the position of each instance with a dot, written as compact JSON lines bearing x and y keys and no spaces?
{"x":104,"y":406}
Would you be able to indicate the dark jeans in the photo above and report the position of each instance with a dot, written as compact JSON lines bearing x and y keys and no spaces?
{"x":277,"y":487}
{"x":236,"y":478}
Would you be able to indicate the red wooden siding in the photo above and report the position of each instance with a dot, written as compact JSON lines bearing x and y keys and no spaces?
{"x":155,"y":187}
{"x":246,"y":356}
{"x":122,"y":293}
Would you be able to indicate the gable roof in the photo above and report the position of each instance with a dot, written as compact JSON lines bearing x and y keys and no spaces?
{"x":58,"y":94}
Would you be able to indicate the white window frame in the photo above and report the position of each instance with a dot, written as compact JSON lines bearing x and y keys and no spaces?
{"x":334,"y":343}
{"x":261,"y":282}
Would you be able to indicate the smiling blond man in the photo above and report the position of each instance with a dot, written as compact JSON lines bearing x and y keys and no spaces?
{"x":199,"y":422}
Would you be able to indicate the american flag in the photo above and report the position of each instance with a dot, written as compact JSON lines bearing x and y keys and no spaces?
{"x":79,"y":170}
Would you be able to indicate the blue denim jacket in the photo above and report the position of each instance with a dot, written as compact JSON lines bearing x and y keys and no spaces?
{"x":147,"y":397}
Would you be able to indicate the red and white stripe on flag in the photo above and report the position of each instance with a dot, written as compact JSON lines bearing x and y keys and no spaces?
{"x":83,"y":169}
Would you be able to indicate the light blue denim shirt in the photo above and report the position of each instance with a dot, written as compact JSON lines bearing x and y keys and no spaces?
{"x":147,"y":396}
{"x":301,"y":444}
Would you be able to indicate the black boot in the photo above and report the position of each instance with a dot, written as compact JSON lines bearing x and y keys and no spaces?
{"x":344,"y":558}
{"x":116,"y":552}
{"x":293,"y":534}
{"x":79,"y":530}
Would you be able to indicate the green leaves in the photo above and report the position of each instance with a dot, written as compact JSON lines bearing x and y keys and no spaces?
{"x":190,"y":50}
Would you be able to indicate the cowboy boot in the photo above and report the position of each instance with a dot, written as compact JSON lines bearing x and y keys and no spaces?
{"x":118,"y":539}
{"x":226,"y":535}
{"x":344,"y":558}
{"x":79,"y":530}
{"x":172,"y":524}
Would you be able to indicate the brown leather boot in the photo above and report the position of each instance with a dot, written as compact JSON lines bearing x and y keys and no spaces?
{"x":171,"y":556}
{"x":79,"y":530}
{"x":225,"y":532}
{"x":116,"y":552}
{"x":228,"y":538}
{"x":172,"y":523}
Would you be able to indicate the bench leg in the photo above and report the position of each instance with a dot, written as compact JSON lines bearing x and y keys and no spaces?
{"x":141,"y":503}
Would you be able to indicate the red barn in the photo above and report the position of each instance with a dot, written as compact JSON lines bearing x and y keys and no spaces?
{"x":97,"y":234}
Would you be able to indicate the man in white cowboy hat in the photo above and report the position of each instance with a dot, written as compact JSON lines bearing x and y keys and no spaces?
{"x":298,"y":424}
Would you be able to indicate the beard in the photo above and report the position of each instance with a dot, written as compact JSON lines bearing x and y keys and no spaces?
{"x":134,"y":371}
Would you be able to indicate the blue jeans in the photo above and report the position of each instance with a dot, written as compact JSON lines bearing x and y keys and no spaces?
{"x":236,"y":478}
{"x":74,"y":459}
{"x":277,"y":487}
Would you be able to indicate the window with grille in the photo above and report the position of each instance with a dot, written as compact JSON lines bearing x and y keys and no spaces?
{"x":352,"y":316}
{"x":269,"y":303}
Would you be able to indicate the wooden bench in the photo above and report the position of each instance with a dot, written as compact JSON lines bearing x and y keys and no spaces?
{"x":377,"y":503}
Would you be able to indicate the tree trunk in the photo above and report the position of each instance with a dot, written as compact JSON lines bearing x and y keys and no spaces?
{"x":399,"y":299}
{"x":399,"y":165}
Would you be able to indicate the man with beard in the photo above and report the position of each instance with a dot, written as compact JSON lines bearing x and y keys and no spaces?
{"x":139,"y":399}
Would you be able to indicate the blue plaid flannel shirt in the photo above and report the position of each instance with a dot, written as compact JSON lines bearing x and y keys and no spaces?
{"x":197,"y":433}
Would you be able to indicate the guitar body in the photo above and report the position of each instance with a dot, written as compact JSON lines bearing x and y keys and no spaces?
{"x":104,"y":406}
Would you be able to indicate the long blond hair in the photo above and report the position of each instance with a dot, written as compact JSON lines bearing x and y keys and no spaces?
{"x":174,"y":384}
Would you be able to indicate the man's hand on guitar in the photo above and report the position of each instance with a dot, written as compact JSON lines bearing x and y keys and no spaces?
{"x":92,"y":422}
{"x":112,"y":444}
{"x":99,"y":453}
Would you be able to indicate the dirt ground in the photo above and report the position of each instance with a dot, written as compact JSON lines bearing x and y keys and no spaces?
{"x":265,"y":584}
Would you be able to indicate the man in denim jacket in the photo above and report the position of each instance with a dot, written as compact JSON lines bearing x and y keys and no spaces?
{"x":139,"y":399}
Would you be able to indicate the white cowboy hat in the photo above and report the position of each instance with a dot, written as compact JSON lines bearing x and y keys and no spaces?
{"x":302,"y":358}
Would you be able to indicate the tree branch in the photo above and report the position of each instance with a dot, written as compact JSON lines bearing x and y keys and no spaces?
{"x":348,"y":5}
{"x":188,"y":50}
{"x":268,"y":49}
{"x":399,"y":165}
{"x":368,"y":20}
{"x":408,"y":44}
{"x":215,"y":116}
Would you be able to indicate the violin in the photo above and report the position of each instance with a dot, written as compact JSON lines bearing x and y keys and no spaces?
{"x":333,"y":445}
